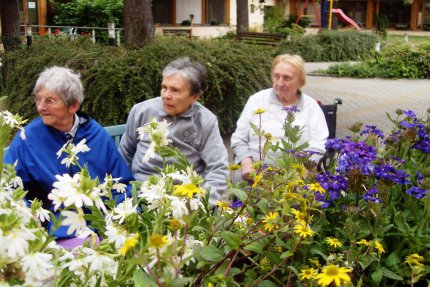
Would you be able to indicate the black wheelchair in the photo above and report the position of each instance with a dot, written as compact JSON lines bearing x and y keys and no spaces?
{"x":330,"y":113}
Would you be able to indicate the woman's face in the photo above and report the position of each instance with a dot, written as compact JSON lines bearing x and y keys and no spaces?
{"x":286,"y":83}
{"x":176,"y":94}
{"x":54,"y":111}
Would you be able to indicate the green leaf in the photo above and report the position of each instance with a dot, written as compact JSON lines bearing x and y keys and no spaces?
{"x":392,"y":259}
{"x":211,"y":253}
{"x":254,"y":246}
{"x":242,"y":195}
{"x":390,"y":274}
{"x":377,"y":275}
{"x":233,"y":240}
{"x":400,"y":223}
{"x":142,"y":279}
{"x":287,"y":254}
{"x":267,"y":283}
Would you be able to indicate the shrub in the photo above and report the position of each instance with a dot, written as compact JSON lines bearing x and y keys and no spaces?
{"x":396,"y":60}
{"x":115,"y":78}
{"x":331,"y":46}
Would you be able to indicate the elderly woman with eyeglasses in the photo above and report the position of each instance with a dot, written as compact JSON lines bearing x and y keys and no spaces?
{"x":193,"y":128}
{"x":58,"y":97}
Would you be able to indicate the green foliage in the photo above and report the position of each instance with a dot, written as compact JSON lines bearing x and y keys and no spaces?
{"x":396,"y":60}
{"x":89,"y":13}
{"x":116,"y":78}
{"x":381,"y":25}
{"x":331,"y":46}
{"x":276,"y":24}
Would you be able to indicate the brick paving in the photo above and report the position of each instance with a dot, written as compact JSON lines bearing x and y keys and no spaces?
{"x":367,"y":100}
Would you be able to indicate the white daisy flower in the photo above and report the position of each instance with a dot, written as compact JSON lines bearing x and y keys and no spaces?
{"x":75,"y":221}
{"x":38,"y":264}
{"x":115,"y":235}
{"x":124,"y":209}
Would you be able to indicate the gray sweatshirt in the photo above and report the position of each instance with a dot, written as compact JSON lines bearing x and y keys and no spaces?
{"x":195,"y":133}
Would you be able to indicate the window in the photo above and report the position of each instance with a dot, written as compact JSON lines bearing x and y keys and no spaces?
{"x":162,"y":11}
{"x":215,"y":12}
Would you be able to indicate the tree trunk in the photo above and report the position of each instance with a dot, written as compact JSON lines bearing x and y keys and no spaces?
{"x":138,"y":22}
{"x":9,"y":15}
{"x":242,"y":16}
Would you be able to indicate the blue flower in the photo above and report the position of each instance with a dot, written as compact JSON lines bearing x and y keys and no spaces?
{"x":417,"y":192}
{"x":372,"y":130}
{"x":291,"y":109}
{"x":371,"y":195}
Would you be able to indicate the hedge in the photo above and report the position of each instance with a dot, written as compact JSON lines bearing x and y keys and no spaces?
{"x":116,"y":78}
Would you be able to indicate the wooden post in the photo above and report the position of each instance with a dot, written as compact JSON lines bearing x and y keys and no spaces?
{"x":42,"y":15}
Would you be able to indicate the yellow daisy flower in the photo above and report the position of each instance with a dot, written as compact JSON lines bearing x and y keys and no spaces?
{"x":414,"y":260}
{"x":333,"y":273}
{"x":259,"y":111}
{"x":175,"y":224}
{"x":308,"y":273}
{"x":158,"y":241}
{"x":379,"y":246}
{"x":364,"y":242}
{"x":316,"y":187}
{"x":187,"y":190}
{"x":333,"y":242}
{"x":257,"y":180}
{"x":299,"y":168}
{"x":303,"y":230}
{"x":234,"y":167}
{"x":300,"y":216}
{"x":315,"y":262}
{"x":129,"y":244}
{"x":224,"y":205}
{"x":270,"y":221}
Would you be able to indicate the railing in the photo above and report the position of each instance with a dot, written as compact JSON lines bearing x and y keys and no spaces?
{"x":114,"y":34}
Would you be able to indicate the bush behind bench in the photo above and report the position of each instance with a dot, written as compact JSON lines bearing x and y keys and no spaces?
{"x":116,"y":78}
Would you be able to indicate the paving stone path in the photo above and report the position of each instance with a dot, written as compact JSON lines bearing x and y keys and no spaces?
{"x":367,"y":100}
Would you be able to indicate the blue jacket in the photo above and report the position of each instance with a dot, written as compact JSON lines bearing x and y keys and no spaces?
{"x":38,"y":163}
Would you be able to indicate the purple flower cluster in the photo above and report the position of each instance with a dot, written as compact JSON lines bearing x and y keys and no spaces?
{"x":291,"y":109}
{"x":371,"y":195}
{"x":333,"y":184}
{"x":413,"y":123}
{"x":418,"y":192}
{"x":353,"y":155}
{"x":388,"y":172}
{"x":369,"y":129}
{"x":236,"y":204}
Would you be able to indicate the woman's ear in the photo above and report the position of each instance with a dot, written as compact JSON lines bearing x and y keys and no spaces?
{"x":73,"y":108}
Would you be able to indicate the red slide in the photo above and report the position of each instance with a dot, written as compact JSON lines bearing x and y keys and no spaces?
{"x":345,"y":19}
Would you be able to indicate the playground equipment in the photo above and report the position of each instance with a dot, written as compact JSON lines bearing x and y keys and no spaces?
{"x":344,"y":18}
{"x":341,"y":16}
{"x":315,"y":10}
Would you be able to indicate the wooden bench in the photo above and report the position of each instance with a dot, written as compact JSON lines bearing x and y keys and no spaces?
{"x":115,"y":133}
{"x":266,"y":39}
{"x":177,"y":32}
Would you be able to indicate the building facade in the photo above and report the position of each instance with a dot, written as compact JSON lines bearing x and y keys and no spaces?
{"x":400,"y":14}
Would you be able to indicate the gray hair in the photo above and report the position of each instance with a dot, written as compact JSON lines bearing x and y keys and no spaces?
{"x":62,"y":81}
{"x":195,"y":73}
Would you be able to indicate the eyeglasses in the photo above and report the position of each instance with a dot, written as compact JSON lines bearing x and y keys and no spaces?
{"x":47,"y":101}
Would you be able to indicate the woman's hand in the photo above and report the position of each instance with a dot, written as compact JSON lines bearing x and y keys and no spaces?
{"x":247,"y":168}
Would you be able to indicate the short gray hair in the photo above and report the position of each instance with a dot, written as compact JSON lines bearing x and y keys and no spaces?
{"x":64,"y":82}
{"x":195,"y":73}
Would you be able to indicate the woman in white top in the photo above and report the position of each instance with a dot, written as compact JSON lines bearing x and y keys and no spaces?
{"x":288,"y":77}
